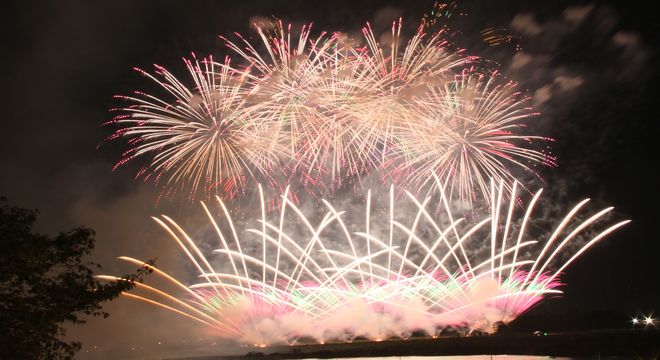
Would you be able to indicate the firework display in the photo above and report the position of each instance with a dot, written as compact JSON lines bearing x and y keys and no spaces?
{"x":325,"y":110}
{"x":268,"y":286}
{"x":307,"y":121}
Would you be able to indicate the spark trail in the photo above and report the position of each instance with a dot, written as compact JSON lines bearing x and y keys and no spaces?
{"x":435,"y":271}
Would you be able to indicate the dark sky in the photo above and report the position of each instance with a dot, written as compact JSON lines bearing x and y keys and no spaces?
{"x":590,"y":68}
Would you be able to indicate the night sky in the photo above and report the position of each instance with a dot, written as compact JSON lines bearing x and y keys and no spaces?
{"x":590,"y":68}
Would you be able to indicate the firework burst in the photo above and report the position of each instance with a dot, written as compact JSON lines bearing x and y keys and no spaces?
{"x":468,"y":131}
{"x":434,"y":272}
{"x":325,"y":110}
{"x":205,"y":137}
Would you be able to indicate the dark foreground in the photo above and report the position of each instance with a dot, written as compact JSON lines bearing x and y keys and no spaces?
{"x":593,"y":344}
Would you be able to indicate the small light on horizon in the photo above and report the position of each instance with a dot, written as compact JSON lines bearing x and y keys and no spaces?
{"x":649,"y":320}
{"x":635,"y":321}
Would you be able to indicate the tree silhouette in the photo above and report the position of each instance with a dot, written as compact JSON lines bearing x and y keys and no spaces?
{"x":45,"y":282}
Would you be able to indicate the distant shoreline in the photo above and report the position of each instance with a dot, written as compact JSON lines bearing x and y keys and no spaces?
{"x":590,"y":344}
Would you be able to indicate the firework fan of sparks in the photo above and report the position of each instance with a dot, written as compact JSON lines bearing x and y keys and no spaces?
{"x":271,"y":287}
{"x":324,"y":110}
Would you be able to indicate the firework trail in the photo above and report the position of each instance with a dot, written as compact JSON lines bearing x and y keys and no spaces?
{"x":499,"y":35}
{"x":434,"y":272}
{"x":324,"y":110}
